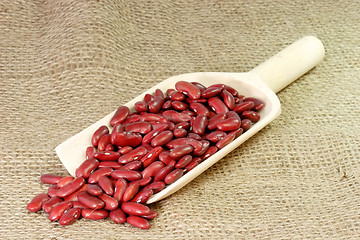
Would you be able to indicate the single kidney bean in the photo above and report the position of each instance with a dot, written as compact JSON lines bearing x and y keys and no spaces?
{"x":94,"y":176}
{"x":135,"y":154}
{"x":138,"y":222}
{"x":155,"y":186}
{"x":37,"y":202}
{"x":110,"y":147}
{"x":116,"y":129}
{"x":174,"y":175}
{"x":162,"y":173}
{"x":104,"y":141}
{"x":71,"y":187}
{"x":117,"y":215}
{"x":154,"y":106}
{"x":228,"y":99}
{"x":134,"y":208}
{"x":101,"y":131}
{"x":107,"y":155}
{"x":111,"y":164}
{"x":225,"y":141}
{"x":130,"y":191}
{"x":246,"y":124}
{"x":211,"y":151}
{"x":218,"y":85}
{"x":143,"y":196}
{"x":180,"y":132}
{"x":167,"y":105}
{"x":165,"y":157}
{"x":58,"y":210}
{"x":151,"y":156}
{"x":122,"y":139}
{"x":129,"y":175}
{"x":77,"y":204}
{"x":199,"y":124}
{"x":184,"y":161}
{"x":199,"y":109}
{"x":217,"y":105}
{"x":73,"y":196}
{"x":200,"y":86}
{"x":94,"y":214}
{"x":85,"y":169}
{"x":182,"y":125}
{"x":49,"y":204}
{"x":162,"y":138}
{"x":70,"y":216}
{"x":152,"y":169}
{"x":90,"y":151}
{"x":90,"y":201}
{"x":52,"y":190}
{"x":124,"y":150}
{"x":253,"y":116}
{"x":195,"y":161}
{"x":215,"y":136}
{"x":194,"y":136}
{"x":106,"y":185}
{"x":231,"y":90}
{"x":258,"y":104}
{"x":148,"y":97}
{"x":153,"y":214}
{"x":134,"y":165}
{"x":94,"y":190}
{"x":228,"y":124}
{"x":144,"y":181}
{"x":183,"y":141}
{"x":159,"y":93}
{"x":237,"y":132}
{"x":205,"y":146}
{"x":141,"y":106}
{"x":215,"y":120}
{"x":133,"y":117}
{"x":168,"y":91}
{"x":243,"y":106}
{"x":120,"y":115}
{"x":211,"y":92}
{"x":181,"y":151}
{"x":50,"y":178}
{"x":232,"y":114}
{"x":65,"y":180}
{"x":177,"y":96}
{"x":110,"y":202}
{"x":120,"y":187}
{"x":138,"y":127}
{"x":180,"y":106}
{"x":151,"y":117}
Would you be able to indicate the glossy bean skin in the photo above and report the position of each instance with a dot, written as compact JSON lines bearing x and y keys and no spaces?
{"x":129,"y":175}
{"x":228,"y":99}
{"x":52,"y":190}
{"x":70,"y":216}
{"x":110,"y":202}
{"x":152,"y":169}
{"x":155,"y":186}
{"x":90,"y":151}
{"x":165,"y":157}
{"x":123,"y":139}
{"x":133,"y":165}
{"x":179,"y":133}
{"x":139,"y":127}
{"x":217,"y":105}
{"x":94,"y":190}
{"x":177,"y":96}
{"x":120,"y":115}
{"x":225,"y":141}
{"x":211,"y":151}
{"x":36,"y":203}
{"x":152,"y":134}
{"x":229,"y":124}
{"x":184,"y":161}
{"x":104,"y":141}
{"x":110,"y":164}
{"x":65,"y":180}
{"x":232,"y":114}
{"x":211,"y":92}
{"x":162,"y":173}
{"x":246,"y":124}
{"x":58,"y":210}
{"x":73,"y":196}
{"x":90,"y":201}
{"x":243,"y":106}
{"x":174,"y":175}
{"x":106,"y":185}
{"x":151,"y":156}
{"x":49,"y":204}
{"x":120,"y":187}
{"x":130,"y":191}
{"x":94,"y":176}
{"x":94,"y":214}
{"x":85,"y":169}
{"x":124,"y":150}
{"x":140,"y":106}
{"x":143,"y":196}
{"x":144,"y":181}
{"x":191,"y":90}
{"x":200,"y":86}
{"x":199,"y":124}
{"x":107,"y":155}
{"x":134,"y":208}
{"x":154,"y":106}
{"x":258,"y":104}
{"x":167,"y":105}
{"x":71,"y":187}
{"x":181,"y":151}
{"x":215,"y":136}
{"x":179,"y":106}
{"x":135,"y":154}
{"x":153,"y":214}
{"x":215,"y":120}
{"x":50,"y":178}
{"x":195,"y":161}
{"x":252,"y":115}
{"x":138,"y":222}
{"x":199,"y":109}
{"x":162,"y":138}
{"x":117,"y":215}
{"x":101,"y":131}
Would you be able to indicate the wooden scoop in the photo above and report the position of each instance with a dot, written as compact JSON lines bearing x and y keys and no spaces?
{"x":262,"y":82}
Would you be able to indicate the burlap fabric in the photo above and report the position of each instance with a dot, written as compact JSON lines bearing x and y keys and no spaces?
{"x":65,"y":64}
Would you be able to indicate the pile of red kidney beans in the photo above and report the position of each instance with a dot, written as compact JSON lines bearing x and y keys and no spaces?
{"x":165,"y":137}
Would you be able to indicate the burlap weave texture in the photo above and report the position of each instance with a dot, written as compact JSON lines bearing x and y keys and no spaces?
{"x":64,"y":64}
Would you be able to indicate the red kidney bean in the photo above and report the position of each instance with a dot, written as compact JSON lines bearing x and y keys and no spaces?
{"x":154,"y":106}
{"x":199,"y":109}
{"x":134,"y":208}
{"x":183,"y":141}
{"x":229,"y":124}
{"x":148,"y":97}
{"x":132,"y":119}
{"x":168,"y":91}
{"x":228,"y":99}
{"x":246,"y":124}
{"x":50,"y":178}
{"x":94,"y":214}
{"x":85,"y":169}
{"x":122,"y":139}
{"x":243,"y":106}
{"x":143,"y":196}
{"x":165,"y":157}
{"x":90,"y":201}
{"x":153,"y":214}
{"x":162,"y":173}
{"x":162,"y":138}
{"x":77,"y":204}
{"x":194,"y":136}
{"x":159,"y":93}
{"x":211,"y":151}
{"x":253,"y":116}
{"x":58,"y":210}
{"x":71,"y":187}
{"x":94,"y":190}
{"x":232,"y":114}
{"x":181,"y":151}
{"x":148,"y":137}
{"x":200,"y":86}
{"x":107,"y":155}
{"x":155,"y":186}
{"x":149,"y":117}
{"x":129,"y":175}
{"x":152,"y":169}
{"x":231,"y":90}
{"x":225,"y":141}
{"x":195,"y":161}
{"x":237,"y":132}
{"x":111,"y":164}
{"x":138,"y":127}
{"x":49,"y":204}
{"x":90,"y":151}
{"x":174,"y":175}
{"x":94,"y":176}
{"x":189,"y":89}
{"x":258,"y":104}
{"x":120,"y":187}
{"x":141,"y":106}
{"x":184,"y":161}
{"x":37,"y":202}
{"x":134,"y":165}
{"x":110,"y":202}
{"x":73,"y":196}
{"x":120,"y":115}
{"x":215,"y":120}
{"x":205,"y":147}
{"x":70,"y":216}
{"x":110,"y":147}
{"x":218,"y":85}
{"x":65,"y":180}
{"x":217,"y":105}
{"x":199,"y":124}
{"x":215,"y":136}
{"x":52,"y":190}
{"x":101,"y":131}
{"x":167,"y":105}
{"x":177,"y":96}
{"x":211,"y":92}
{"x":151,"y":156}
{"x":106,"y":185}
{"x":138,"y":222}
{"x":200,"y":100}
{"x":175,"y":116}
{"x":135,"y":154}
{"x":104,"y":141}
{"x":117,"y":215}
{"x":116,"y":129}
{"x":144,"y":181}
{"x":179,"y":132}
{"x":182,"y":125}
{"x":180,"y":106}
{"x":130,"y":191}
{"x":124,"y":150}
